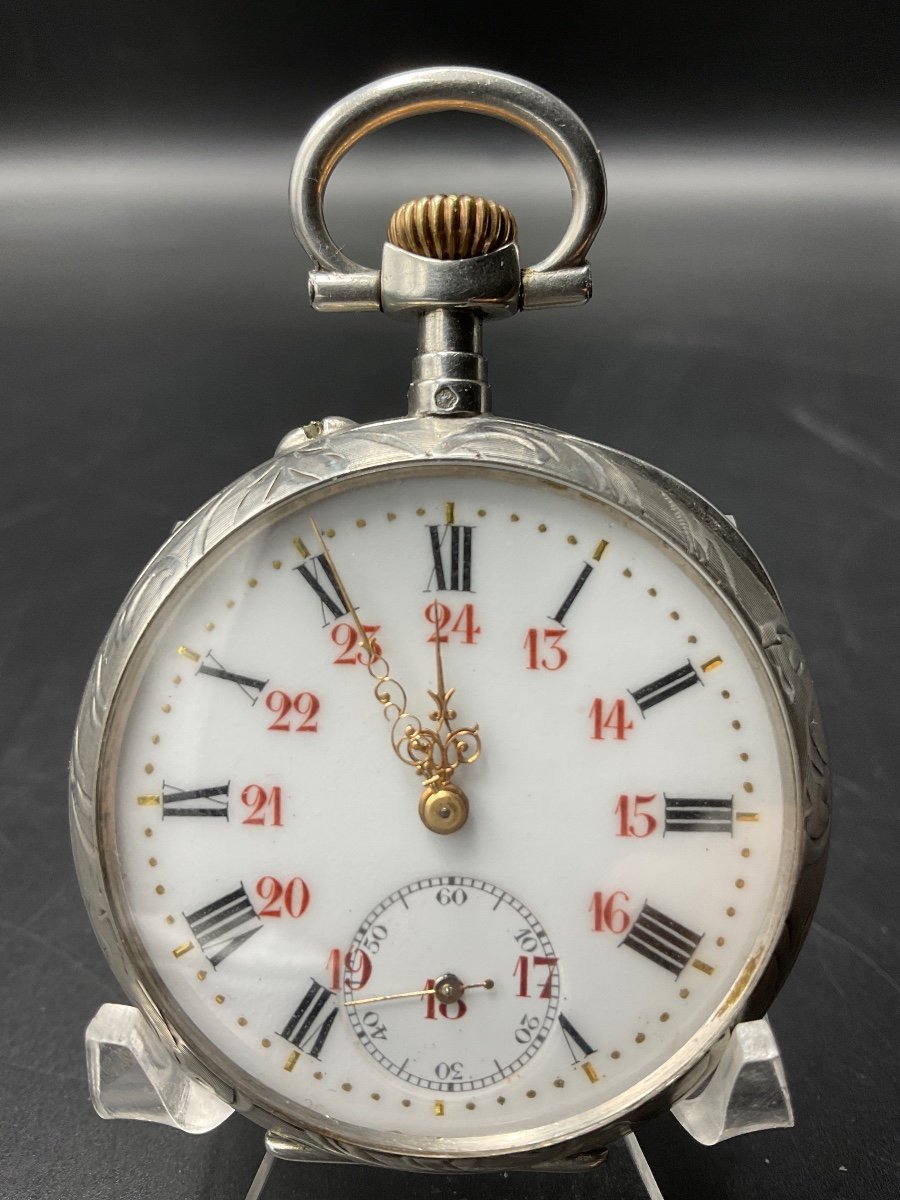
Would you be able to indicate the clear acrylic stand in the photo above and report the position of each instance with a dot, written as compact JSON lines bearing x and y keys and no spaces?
{"x":134,"y":1076}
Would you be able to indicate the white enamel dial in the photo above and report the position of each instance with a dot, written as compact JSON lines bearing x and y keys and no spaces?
{"x":632,"y":828}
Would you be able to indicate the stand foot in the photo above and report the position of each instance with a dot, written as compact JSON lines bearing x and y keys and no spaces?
{"x":261,"y":1178}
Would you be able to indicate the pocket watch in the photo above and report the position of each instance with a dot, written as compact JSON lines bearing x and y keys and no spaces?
{"x":449,"y":791}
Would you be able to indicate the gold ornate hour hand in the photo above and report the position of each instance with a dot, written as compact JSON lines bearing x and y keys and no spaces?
{"x":444,"y":806}
{"x":433,"y":753}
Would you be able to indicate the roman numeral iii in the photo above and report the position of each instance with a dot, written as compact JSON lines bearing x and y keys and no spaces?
{"x":312,"y":1019}
{"x":687,"y":815}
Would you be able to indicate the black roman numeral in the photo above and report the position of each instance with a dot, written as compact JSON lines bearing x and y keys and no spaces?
{"x":451,"y":552}
{"x":662,"y":940}
{"x":687,"y":815}
{"x":560,"y":615}
{"x":250,"y":687}
{"x":223,"y":926}
{"x":198,"y":802}
{"x":661,"y":689}
{"x":575,"y":1040}
{"x":310,"y":1024}
{"x":321,"y":578}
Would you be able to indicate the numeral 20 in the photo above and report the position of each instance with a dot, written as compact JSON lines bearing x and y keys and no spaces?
{"x":304,"y":704}
{"x":291,"y":898}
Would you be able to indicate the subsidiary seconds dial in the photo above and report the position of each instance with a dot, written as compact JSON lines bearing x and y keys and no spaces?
{"x":463,"y":988}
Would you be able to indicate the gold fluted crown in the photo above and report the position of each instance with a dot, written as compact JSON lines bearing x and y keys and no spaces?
{"x":449,"y":227}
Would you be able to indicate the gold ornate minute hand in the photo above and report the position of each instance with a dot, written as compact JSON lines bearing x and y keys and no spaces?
{"x":432,"y":753}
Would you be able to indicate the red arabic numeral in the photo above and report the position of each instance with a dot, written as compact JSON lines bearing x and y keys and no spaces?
{"x":632,"y":821}
{"x":304,"y":704}
{"x":265,"y":807}
{"x":463,"y":624}
{"x":278,"y":898}
{"x":607,"y":912}
{"x":354,"y":965}
{"x":522,"y":968}
{"x":549,"y":640}
{"x":613,"y":721}
{"x":433,"y":1009}
{"x":352,"y":650}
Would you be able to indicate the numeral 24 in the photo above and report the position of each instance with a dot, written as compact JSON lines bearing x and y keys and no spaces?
{"x":462,"y":623}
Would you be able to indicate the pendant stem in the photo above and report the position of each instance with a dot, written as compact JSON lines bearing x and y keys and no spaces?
{"x":449,"y":373}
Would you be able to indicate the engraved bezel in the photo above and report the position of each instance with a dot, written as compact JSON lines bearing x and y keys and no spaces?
{"x":668,"y":509}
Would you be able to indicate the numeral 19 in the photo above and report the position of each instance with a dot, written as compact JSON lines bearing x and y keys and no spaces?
{"x":351,"y":967}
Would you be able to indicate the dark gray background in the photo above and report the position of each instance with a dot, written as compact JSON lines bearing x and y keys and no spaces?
{"x":157,"y":343}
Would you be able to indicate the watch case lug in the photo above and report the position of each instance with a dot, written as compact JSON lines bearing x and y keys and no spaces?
{"x":134,"y":1076}
{"x":746,"y":1092}
{"x":295,"y":439}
